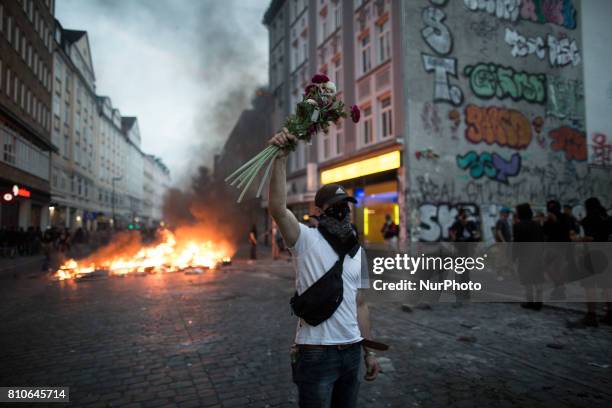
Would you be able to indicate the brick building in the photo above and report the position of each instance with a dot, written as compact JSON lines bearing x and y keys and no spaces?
{"x":26,"y":47}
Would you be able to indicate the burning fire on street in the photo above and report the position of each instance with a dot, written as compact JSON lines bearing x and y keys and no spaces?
{"x":188,"y":248}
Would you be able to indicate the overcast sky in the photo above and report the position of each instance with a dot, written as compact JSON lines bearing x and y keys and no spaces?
{"x":185,"y":68}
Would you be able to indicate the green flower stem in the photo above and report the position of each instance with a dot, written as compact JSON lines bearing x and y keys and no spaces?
{"x":255,"y":167}
{"x":265,"y":176}
{"x":246,"y":173}
{"x":245,"y":165}
{"x":260,"y":164}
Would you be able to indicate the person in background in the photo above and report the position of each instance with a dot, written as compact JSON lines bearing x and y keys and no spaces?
{"x":596,"y":226}
{"x":503,"y":232}
{"x":253,"y":241}
{"x":540,"y":218}
{"x":530,"y":271}
{"x":464,"y":231}
{"x":390,"y":231}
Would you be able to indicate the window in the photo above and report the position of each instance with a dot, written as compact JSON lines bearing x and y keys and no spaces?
{"x":23,"y":48}
{"x":384,"y":42}
{"x":1,"y":17}
{"x":16,"y":90}
{"x":337,"y":16}
{"x":16,"y":43}
{"x":338,"y":74}
{"x":386,"y":118}
{"x":30,"y":55}
{"x":8,"y":82}
{"x":67,"y":113}
{"x":9,"y":29}
{"x":0,"y":74}
{"x":366,"y":63}
{"x":366,"y":128}
{"x":23,"y":96}
{"x":66,"y":146}
{"x":56,"y":105}
{"x":29,"y":103}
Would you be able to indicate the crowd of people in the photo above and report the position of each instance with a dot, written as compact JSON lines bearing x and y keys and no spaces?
{"x":559,"y":264}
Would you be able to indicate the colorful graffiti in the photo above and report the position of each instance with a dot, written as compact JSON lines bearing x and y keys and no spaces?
{"x":561,"y":51}
{"x":489,"y":80}
{"x":565,"y":98}
{"x":439,"y":38}
{"x":601,"y":150}
{"x":569,"y":140}
{"x":491,"y":165}
{"x":559,"y":12}
{"x":505,"y":127}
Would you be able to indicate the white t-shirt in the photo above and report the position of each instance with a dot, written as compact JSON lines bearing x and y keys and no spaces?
{"x":312,"y":258}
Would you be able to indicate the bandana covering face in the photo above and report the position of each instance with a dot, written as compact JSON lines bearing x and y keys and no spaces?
{"x":341,"y":228}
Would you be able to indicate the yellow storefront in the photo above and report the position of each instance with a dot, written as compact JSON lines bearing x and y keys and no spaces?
{"x":375,"y":182}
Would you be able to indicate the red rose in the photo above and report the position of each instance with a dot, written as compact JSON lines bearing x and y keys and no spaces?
{"x":320,"y":79}
{"x":309,"y":88}
{"x":355,"y":113}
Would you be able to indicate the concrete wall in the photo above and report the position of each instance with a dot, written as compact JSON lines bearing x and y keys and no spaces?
{"x":495,"y":110}
{"x":597,"y":35}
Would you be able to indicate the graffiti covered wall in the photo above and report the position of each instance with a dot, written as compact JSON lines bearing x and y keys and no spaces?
{"x":501,"y":83}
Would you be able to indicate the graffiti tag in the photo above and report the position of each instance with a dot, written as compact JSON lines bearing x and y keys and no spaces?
{"x":506,"y":127}
{"x":489,"y":80}
{"x":491,"y":165}
{"x":570,"y":141}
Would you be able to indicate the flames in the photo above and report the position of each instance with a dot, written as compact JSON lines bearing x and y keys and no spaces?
{"x":185,"y":249}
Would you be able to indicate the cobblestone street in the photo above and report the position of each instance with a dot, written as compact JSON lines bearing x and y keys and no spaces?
{"x":221,"y":339}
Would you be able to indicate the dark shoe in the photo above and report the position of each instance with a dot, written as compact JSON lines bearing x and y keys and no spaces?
{"x":528,"y":305}
{"x":589,"y":320}
{"x":607,"y":319}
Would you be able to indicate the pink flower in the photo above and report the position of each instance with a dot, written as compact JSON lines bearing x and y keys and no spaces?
{"x":355,"y":113}
{"x":320,"y":79}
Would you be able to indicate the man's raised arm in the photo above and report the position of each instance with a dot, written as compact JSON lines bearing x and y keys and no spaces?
{"x":277,"y":198}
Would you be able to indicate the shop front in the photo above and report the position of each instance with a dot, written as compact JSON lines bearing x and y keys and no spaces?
{"x":22,"y":206}
{"x":375,"y":181}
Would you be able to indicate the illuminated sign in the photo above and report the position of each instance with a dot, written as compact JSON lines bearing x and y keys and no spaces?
{"x":21,"y":192}
{"x":377,"y":164}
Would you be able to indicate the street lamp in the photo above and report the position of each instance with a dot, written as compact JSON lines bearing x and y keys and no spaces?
{"x":113,"y":197}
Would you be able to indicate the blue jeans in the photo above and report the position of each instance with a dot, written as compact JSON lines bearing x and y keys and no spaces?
{"x":327,"y":377}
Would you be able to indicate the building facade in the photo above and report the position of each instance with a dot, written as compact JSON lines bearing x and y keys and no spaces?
{"x":464,"y":104}
{"x":356,"y":44}
{"x":496,"y":98}
{"x":98,"y":174}
{"x":26,"y":47}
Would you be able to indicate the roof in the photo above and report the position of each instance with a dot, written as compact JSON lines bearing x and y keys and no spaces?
{"x":73,"y":36}
{"x":127,"y":122}
{"x":275,"y":6}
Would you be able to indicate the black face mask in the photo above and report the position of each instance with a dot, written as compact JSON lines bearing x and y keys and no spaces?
{"x":338,"y":211}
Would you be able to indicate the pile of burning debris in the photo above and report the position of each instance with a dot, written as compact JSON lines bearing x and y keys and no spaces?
{"x":171,"y":253}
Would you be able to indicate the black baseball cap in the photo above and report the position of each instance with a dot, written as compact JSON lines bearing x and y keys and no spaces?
{"x":330,"y":194}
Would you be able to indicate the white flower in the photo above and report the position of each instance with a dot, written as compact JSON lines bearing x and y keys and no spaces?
{"x":311,"y":101}
{"x":330,"y":87}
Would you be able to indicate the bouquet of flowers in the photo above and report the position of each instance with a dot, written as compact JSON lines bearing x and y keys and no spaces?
{"x":318,"y":108}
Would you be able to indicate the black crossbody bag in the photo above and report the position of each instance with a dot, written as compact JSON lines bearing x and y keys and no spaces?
{"x":319,"y":302}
